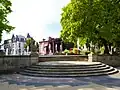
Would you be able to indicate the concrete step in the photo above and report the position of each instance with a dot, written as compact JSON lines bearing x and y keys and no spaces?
{"x":70,"y":75}
{"x":68,"y":69}
{"x":67,"y":66}
{"x":69,"y":72}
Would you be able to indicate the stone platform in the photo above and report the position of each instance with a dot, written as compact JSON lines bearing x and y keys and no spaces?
{"x":68,"y":63}
{"x":68,"y":69}
{"x":24,"y":82}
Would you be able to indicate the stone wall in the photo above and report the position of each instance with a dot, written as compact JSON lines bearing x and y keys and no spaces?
{"x":63,"y":58}
{"x":16,"y":62}
{"x":113,"y":60}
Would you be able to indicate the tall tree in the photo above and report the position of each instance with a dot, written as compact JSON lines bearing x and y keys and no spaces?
{"x":5,"y":9}
{"x":96,"y":21}
{"x":28,"y":43}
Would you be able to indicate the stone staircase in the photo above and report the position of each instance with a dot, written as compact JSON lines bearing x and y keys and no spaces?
{"x":68,"y":69}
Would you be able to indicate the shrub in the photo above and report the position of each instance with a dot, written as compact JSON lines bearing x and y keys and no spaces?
{"x":85,"y":52}
{"x":97,"y":52}
{"x":66,"y":51}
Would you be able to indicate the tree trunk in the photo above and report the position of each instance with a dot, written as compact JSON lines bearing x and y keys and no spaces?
{"x":106,"y":51}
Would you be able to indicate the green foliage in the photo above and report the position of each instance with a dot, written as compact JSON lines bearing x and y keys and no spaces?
{"x":84,"y":52}
{"x":5,"y":9}
{"x":82,"y":41}
{"x":102,"y":50}
{"x":97,"y":21}
{"x":97,"y":51}
{"x":66,"y":51}
{"x":75,"y":51}
{"x":30,"y":42}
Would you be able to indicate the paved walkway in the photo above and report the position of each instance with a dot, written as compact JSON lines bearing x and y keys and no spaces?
{"x":19,"y":82}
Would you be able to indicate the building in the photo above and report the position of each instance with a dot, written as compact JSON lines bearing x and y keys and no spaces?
{"x":2,"y":50}
{"x":53,"y":45}
{"x":50,"y":46}
{"x":15,"y":45}
{"x":7,"y":46}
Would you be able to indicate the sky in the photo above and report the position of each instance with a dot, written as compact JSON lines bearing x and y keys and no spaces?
{"x":39,"y":18}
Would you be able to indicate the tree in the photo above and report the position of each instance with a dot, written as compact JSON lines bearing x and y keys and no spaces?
{"x":5,"y":9}
{"x":28,"y":43}
{"x":96,"y":21}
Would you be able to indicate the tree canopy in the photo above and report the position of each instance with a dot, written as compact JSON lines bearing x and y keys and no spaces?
{"x":5,"y":9}
{"x":96,"y":21}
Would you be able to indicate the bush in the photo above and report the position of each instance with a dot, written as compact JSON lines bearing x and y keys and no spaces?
{"x":71,"y":53}
{"x":97,"y":52}
{"x":66,"y":51}
{"x":76,"y":51}
{"x":85,"y":52}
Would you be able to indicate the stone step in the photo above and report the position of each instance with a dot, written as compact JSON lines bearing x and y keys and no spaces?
{"x":68,"y":69}
{"x":71,"y":75}
{"x":69,"y":72}
{"x":68,"y":66}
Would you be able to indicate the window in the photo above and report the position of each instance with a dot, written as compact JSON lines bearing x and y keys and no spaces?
{"x":22,"y":39}
{"x":19,"y":50}
{"x":12,"y":46}
{"x":16,"y":51}
{"x":19,"y":45}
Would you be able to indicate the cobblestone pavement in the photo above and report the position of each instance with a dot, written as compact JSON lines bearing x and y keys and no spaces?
{"x":111,"y":82}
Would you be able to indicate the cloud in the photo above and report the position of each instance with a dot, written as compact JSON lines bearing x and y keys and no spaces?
{"x":33,"y":16}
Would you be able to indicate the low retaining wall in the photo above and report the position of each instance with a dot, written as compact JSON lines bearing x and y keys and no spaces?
{"x":113,"y":60}
{"x":16,"y":62}
{"x":63,"y":58}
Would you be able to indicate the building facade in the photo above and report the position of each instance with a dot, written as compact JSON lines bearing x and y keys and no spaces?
{"x":50,"y":46}
{"x":15,"y":45}
{"x":53,"y":45}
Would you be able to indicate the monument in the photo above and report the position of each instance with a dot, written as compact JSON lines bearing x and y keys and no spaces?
{"x":33,"y":48}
